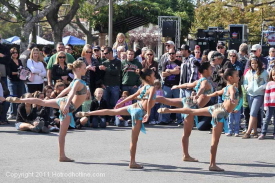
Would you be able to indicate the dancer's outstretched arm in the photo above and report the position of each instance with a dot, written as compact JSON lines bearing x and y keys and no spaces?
{"x":185,"y":85}
{"x":64,"y":92}
{"x":129,"y":98}
{"x":216,"y":93}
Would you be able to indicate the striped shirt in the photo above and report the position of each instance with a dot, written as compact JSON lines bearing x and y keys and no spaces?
{"x":269,"y":98}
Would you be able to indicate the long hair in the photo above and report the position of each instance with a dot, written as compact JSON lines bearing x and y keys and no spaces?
{"x":260,"y":68}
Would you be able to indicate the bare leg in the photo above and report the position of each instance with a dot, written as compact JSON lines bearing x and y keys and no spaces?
{"x":133,"y":145}
{"x":195,"y":112}
{"x":170,"y":101}
{"x":187,"y":129}
{"x":46,"y":103}
{"x":109,"y":112}
{"x":64,"y":125}
{"x":217,"y":130}
{"x":252,"y":125}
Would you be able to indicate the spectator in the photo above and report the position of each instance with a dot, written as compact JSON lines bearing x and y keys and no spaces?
{"x":270,"y":58}
{"x":150,"y":63}
{"x":130,"y":80}
{"x":164,"y":57}
{"x":123,"y":56}
{"x":60,"y":70}
{"x":69,"y":58}
{"x":26,"y":114}
{"x":197,"y":56}
{"x":141,"y":57}
{"x":204,"y":55}
{"x":35,"y":64}
{"x":221,"y":48}
{"x":171,"y":73}
{"x":255,"y":81}
{"x":120,"y":41}
{"x":58,"y":88}
{"x":97,"y":104}
{"x":103,"y":58}
{"x":234,"y":59}
{"x":25,"y":55}
{"x":15,"y":85}
{"x":257,"y":51}
{"x":179,"y":55}
{"x":120,"y":49}
{"x":46,"y":53}
{"x":111,"y":80}
{"x":69,"y":49}
{"x":243,"y":54}
{"x":123,"y":120}
{"x":154,"y":117}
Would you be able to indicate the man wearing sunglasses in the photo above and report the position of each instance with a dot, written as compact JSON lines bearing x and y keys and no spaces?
{"x":171,"y":75}
{"x":111,"y":79}
{"x":164,"y":57}
{"x":257,"y":51}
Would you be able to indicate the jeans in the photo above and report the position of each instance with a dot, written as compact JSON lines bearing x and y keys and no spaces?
{"x":269,"y":113}
{"x":220,"y":100}
{"x":98,"y":120}
{"x":234,"y":122}
{"x":111,"y":95}
{"x":255,"y":103}
{"x":154,"y":116}
{"x":6,"y":105}
{"x":185,"y":93}
{"x":17,"y":89}
{"x":168,"y":93}
{"x":131,"y":90}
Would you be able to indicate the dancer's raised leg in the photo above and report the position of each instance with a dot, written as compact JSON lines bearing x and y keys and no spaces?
{"x":216,"y":133}
{"x":169,"y":101}
{"x":195,"y":112}
{"x":110,"y":112}
{"x":133,"y":145}
{"x":46,"y":103}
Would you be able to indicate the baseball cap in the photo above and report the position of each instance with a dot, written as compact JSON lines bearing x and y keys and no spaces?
{"x":144,"y":49}
{"x":216,"y":54}
{"x":197,"y":47}
{"x":256,"y":47}
{"x":220,"y":44}
{"x":185,"y":47}
{"x":96,"y":47}
{"x":170,"y":42}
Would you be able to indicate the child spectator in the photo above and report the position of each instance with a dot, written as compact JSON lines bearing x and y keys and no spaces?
{"x":123,"y":56}
{"x":58,"y":88}
{"x":120,"y":41}
{"x":47,"y":90}
{"x":269,"y":104}
{"x":97,"y":104}
{"x":153,"y":119}
{"x":123,"y":120}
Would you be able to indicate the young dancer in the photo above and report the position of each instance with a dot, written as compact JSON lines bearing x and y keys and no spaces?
{"x":76,"y":96}
{"x":202,"y":87}
{"x":139,"y":111}
{"x":219,"y":112}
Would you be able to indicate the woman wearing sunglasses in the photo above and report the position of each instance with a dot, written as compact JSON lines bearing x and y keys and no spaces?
{"x":149,"y":62}
{"x":59,"y":70}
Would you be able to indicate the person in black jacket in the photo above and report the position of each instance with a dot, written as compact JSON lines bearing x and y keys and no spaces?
{"x":26,"y":115}
{"x":97,"y":104}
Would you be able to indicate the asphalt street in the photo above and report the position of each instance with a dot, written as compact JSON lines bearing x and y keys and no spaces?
{"x":102,"y":155}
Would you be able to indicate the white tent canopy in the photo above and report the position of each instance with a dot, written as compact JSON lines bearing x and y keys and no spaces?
{"x":40,"y":40}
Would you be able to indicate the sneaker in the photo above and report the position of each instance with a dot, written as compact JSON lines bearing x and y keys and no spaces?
{"x":11,"y":116}
{"x":152,"y":122}
{"x":237,"y":135}
{"x":180,"y":125}
{"x":261,"y":137}
{"x":210,"y":132}
{"x":228,"y":134}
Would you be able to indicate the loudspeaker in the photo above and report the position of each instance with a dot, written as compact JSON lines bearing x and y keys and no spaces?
{"x":234,"y":44}
{"x":238,"y":35}
{"x":200,"y":33}
{"x":169,"y":29}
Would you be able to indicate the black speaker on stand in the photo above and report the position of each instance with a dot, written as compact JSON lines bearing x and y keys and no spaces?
{"x":169,"y":29}
{"x":238,"y":35}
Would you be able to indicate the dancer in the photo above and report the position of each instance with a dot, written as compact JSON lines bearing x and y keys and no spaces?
{"x":202,"y":87}
{"x":139,"y":111}
{"x":219,"y":112}
{"x":76,"y":96}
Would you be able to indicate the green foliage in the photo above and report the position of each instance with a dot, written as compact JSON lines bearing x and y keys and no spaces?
{"x":10,"y":29}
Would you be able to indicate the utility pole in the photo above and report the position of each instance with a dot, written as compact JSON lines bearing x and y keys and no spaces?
{"x":110,"y":27}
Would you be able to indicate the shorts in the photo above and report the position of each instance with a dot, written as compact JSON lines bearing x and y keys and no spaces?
{"x":188,"y":102}
{"x":137,"y":113}
{"x":71,"y":110}
{"x":219,"y":114}
{"x":17,"y":125}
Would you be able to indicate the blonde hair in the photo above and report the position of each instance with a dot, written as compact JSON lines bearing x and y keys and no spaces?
{"x":57,"y":55}
{"x":39,"y":56}
{"x":119,"y":35}
{"x":85,"y":48}
{"x":98,"y":89}
{"x":89,"y":93}
{"x":75,"y":64}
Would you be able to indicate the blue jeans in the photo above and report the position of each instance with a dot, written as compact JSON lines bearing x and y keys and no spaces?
{"x":111,"y":95}
{"x":98,"y":120}
{"x":6,"y":105}
{"x":17,"y":89}
{"x":255,"y":103}
{"x":154,"y":116}
{"x":168,"y":93}
{"x":130,"y":89}
{"x":185,"y":93}
{"x":234,"y":122}
{"x":269,"y":113}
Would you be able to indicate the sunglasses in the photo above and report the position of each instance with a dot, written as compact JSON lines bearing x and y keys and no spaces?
{"x":272,"y":51}
{"x":62,"y":57}
{"x":253,"y":51}
{"x":232,"y":55}
{"x":106,"y":53}
{"x":172,"y":53}
{"x":89,"y":52}
{"x":179,"y":56}
{"x":220,"y":47}
{"x":150,"y":54}
{"x":14,"y":52}
{"x":96,"y":50}
{"x":102,"y":50}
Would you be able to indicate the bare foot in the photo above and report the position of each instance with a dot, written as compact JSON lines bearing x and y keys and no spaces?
{"x":135,"y":166}
{"x":190,"y":159}
{"x":80,"y":114}
{"x":65,"y":159}
{"x":13,"y":100}
{"x":215,"y":168}
{"x":163,"y":110}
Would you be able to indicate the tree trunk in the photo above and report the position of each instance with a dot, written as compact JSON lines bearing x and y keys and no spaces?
{"x":25,"y":33}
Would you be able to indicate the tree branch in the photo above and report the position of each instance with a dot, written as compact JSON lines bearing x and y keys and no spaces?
{"x":79,"y":24}
{"x":261,"y":4}
{"x":10,"y":7}
{"x":67,"y":19}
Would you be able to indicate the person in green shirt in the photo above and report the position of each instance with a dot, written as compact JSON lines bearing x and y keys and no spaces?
{"x":70,"y":59}
{"x":130,"y":80}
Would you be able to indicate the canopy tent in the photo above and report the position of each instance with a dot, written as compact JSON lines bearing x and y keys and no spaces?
{"x":40,"y":40}
{"x":72,"y":40}
{"x":14,"y":40}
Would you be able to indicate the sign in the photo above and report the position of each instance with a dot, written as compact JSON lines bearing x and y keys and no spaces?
{"x":271,"y":39}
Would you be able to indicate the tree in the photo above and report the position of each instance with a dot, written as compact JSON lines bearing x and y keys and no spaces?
{"x":25,"y":14}
{"x":58,"y":23}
